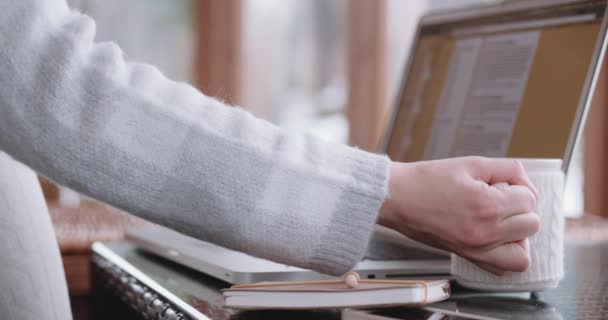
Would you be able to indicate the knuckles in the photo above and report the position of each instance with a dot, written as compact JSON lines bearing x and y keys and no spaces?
{"x":482,"y":207}
{"x":477,"y":163}
{"x":480,"y":229}
{"x":529,"y":203}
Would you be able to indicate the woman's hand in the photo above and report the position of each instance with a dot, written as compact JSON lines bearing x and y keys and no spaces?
{"x":452,"y":204}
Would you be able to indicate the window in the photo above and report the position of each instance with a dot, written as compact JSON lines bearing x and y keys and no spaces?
{"x":294,"y":71}
{"x":158,"y":32}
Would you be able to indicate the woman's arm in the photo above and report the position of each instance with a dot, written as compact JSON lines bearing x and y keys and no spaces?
{"x":75,"y":111}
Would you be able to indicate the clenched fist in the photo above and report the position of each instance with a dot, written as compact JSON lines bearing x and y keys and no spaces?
{"x":477,"y":208}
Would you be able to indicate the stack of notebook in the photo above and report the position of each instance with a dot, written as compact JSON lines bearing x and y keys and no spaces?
{"x":335,"y":294}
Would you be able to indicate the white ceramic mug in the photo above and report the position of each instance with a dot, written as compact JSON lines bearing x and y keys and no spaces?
{"x":546,"y":247}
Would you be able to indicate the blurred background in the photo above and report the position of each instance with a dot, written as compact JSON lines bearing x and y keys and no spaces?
{"x":331,"y":68}
{"x":285,"y":60}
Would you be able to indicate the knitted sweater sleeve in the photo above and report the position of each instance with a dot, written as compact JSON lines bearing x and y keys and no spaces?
{"x":77,"y":112}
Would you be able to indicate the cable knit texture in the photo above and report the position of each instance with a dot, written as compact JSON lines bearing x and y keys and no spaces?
{"x":75,"y":111}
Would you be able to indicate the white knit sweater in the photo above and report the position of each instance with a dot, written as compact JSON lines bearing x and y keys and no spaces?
{"x":75,"y":111}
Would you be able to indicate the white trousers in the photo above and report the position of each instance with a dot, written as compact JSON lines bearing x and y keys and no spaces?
{"x":32,"y":281}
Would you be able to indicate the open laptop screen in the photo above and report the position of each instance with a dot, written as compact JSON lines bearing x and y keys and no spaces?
{"x":506,"y":84}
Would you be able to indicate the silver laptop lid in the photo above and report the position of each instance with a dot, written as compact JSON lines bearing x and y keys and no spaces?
{"x":508,"y":80}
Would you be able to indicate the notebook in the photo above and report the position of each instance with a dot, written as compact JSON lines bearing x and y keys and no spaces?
{"x":335,"y":294}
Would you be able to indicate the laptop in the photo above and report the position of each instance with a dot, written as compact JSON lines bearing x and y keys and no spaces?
{"x":511,"y":79}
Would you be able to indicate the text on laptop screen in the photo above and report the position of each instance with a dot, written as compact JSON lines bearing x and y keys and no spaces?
{"x":507,"y":85}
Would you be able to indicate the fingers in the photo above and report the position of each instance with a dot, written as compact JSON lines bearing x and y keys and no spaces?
{"x":490,"y":268}
{"x":512,"y":200}
{"x":495,"y":217}
{"x":499,"y":246}
{"x":517,"y":227}
{"x":510,"y":171}
{"x":514,"y":257}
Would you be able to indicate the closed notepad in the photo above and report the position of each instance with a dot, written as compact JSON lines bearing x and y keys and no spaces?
{"x":335,"y":294}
